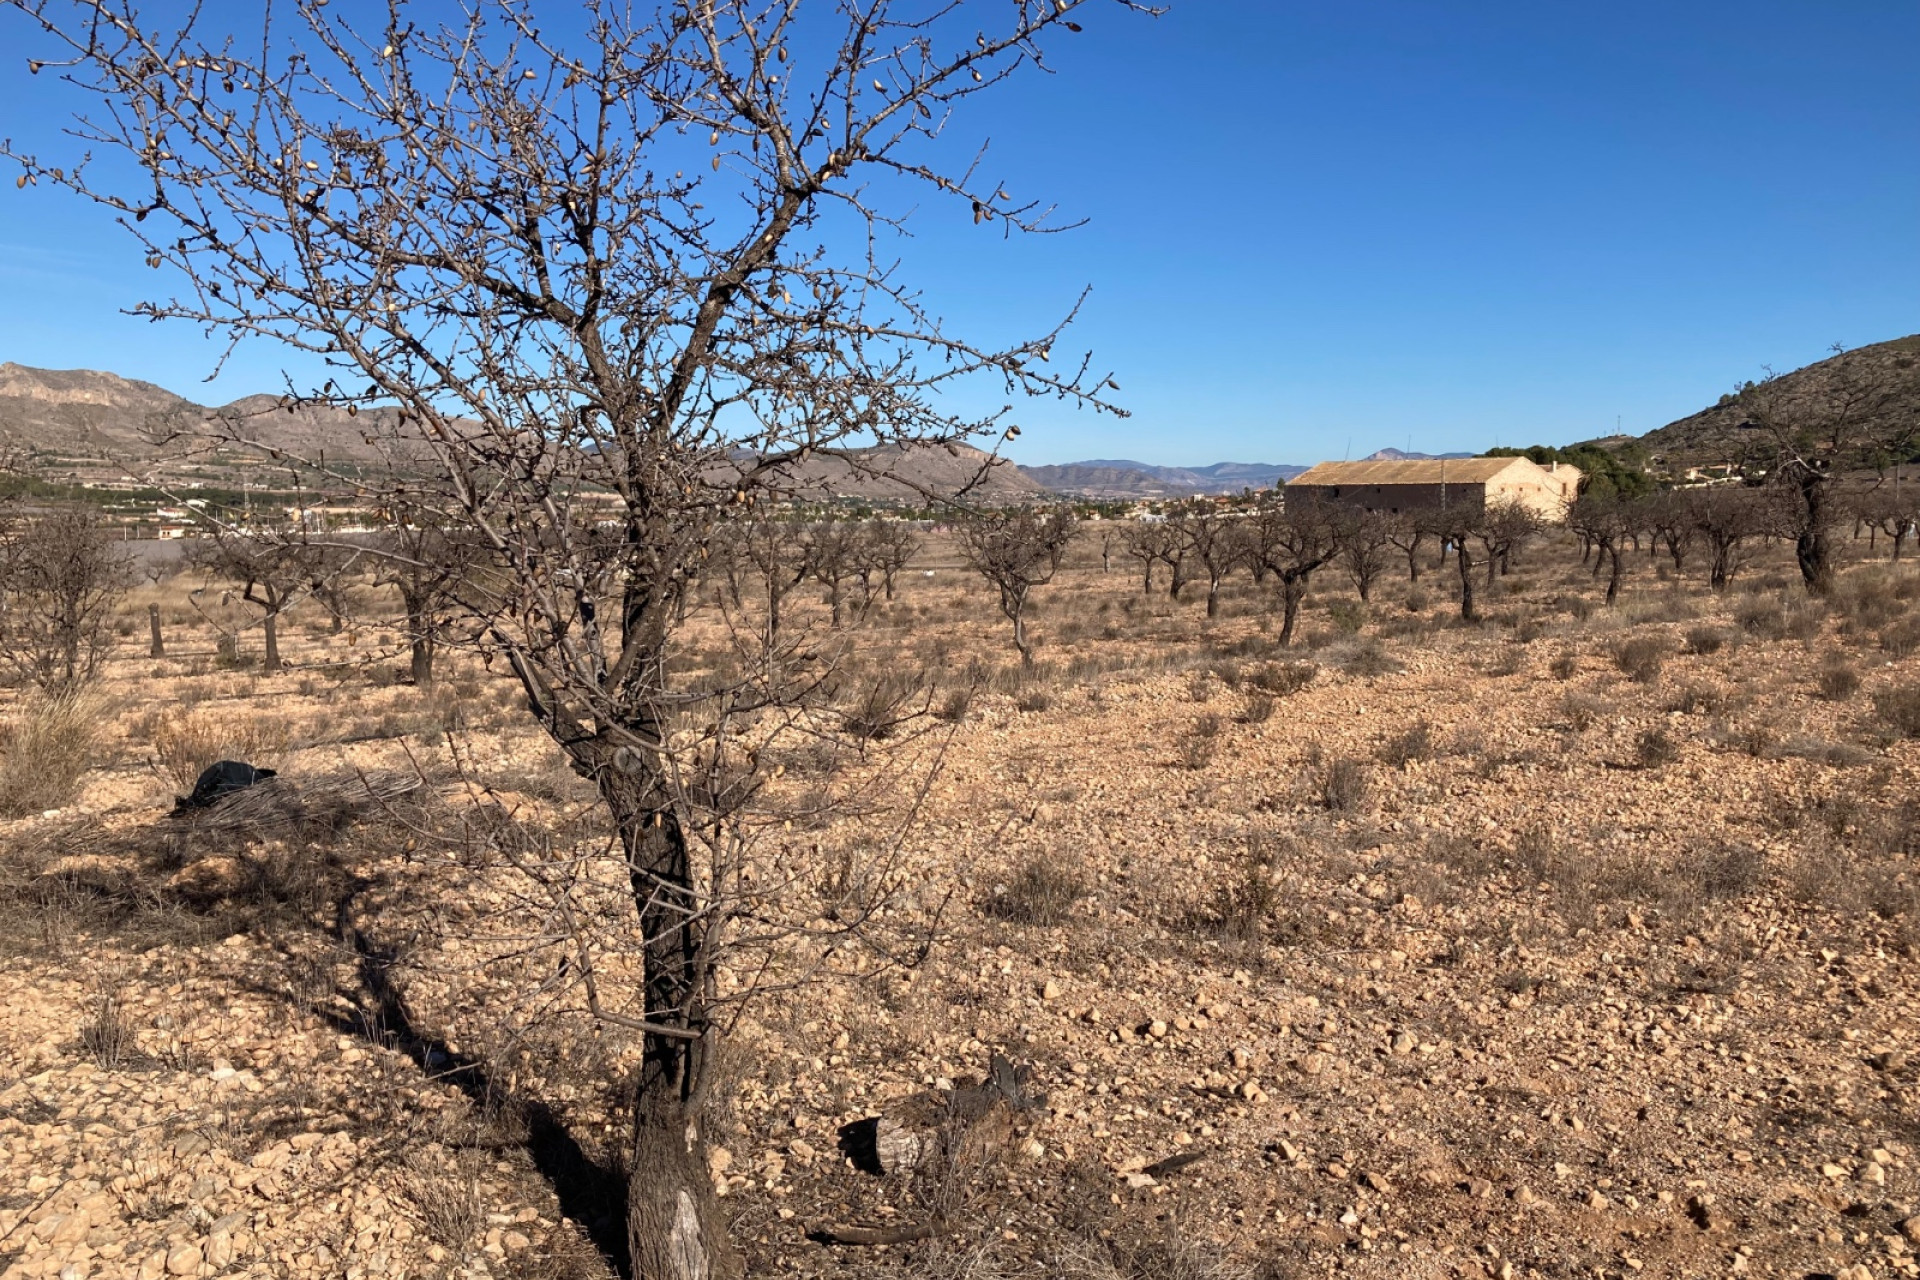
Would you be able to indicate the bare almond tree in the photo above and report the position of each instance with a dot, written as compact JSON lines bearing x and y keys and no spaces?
{"x":1810,"y":428}
{"x":828,"y":556}
{"x":1408,"y":531}
{"x":598,"y":274}
{"x":433,"y":572}
{"x":1212,"y":541}
{"x":883,"y":549}
{"x":267,"y":569}
{"x":62,"y":572}
{"x":1608,"y":521}
{"x":1016,"y":551}
{"x":1729,"y":517}
{"x":1364,"y":542}
{"x":1150,"y":542}
{"x":1293,"y":538}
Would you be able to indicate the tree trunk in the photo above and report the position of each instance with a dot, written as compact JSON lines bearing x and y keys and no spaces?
{"x":674,"y":1227}
{"x":1615,"y":557}
{"x":270,"y":631}
{"x":422,"y":661}
{"x":1810,"y":545}
{"x":1464,"y":559}
{"x":1292,"y":591}
{"x":1213,"y":596}
{"x":156,"y":647}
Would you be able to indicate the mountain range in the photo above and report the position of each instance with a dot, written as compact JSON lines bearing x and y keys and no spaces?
{"x":80,"y":424}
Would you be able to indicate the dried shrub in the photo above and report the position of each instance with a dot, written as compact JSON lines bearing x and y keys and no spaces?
{"x":1582,"y":711}
{"x":1837,"y":681}
{"x":1899,"y":709}
{"x":49,"y":746}
{"x":1415,"y":744}
{"x":1564,"y":665}
{"x":1902,"y":639}
{"x":1034,"y":700}
{"x":1347,"y":616}
{"x":953,"y":708}
{"x":1042,"y":892}
{"x":1762,"y":618}
{"x":1284,"y":678}
{"x":446,"y":1196}
{"x":1732,"y":873}
{"x":1705,"y":640}
{"x":107,"y":1036}
{"x":186,"y":741}
{"x":1698,"y":699}
{"x":1246,"y":905}
{"x":1258,"y":710}
{"x":1655,"y":748}
{"x":1345,"y":784}
{"x":1370,"y":658}
{"x":1199,"y":743}
{"x":1641,"y":658}
{"x":881,"y":706}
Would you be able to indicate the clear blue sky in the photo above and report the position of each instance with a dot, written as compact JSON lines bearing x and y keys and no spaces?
{"x":1323,"y":228}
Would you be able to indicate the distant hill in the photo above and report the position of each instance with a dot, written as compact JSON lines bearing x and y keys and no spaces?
{"x":80,"y":423}
{"x":896,"y":473}
{"x":1123,"y":478}
{"x":1401,"y":455}
{"x":1887,"y":372}
{"x":82,"y":415}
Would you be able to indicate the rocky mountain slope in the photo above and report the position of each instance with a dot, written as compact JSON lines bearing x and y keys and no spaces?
{"x":1880,"y":382}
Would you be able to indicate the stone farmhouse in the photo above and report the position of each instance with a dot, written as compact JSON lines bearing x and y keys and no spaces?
{"x":1425,"y":484}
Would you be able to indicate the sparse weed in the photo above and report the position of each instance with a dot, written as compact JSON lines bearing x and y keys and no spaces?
{"x":1415,"y":744}
{"x":1655,"y":748}
{"x":1641,"y":658}
{"x":1199,"y":743}
{"x":1345,"y":784}
{"x":1837,"y":681}
{"x":107,"y":1036}
{"x":1899,"y":709}
{"x":1705,"y":640}
{"x":1042,"y":892}
{"x":186,"y":742}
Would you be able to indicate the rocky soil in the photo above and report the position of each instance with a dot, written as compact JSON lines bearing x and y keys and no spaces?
{"x":1472,"y":955}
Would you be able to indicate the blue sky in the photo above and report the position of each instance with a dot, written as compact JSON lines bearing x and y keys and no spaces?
{"x":1315,"y":230}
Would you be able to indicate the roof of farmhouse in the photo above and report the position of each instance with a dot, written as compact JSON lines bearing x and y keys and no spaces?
{"x":1414,"y":471}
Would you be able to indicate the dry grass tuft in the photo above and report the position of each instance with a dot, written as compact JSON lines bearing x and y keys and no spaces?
{"x":446,"y":1197}
{"x":1641,"y":658}
{"x":186,"y":741}
{"x":49,"y":746}
{"x":1043,"y":892}
{"x":107,"y":1036}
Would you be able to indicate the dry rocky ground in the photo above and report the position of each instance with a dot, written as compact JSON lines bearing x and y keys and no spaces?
{"x":1575,"y":943}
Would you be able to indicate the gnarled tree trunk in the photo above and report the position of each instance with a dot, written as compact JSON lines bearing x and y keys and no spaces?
{"x":674,"y":1227}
